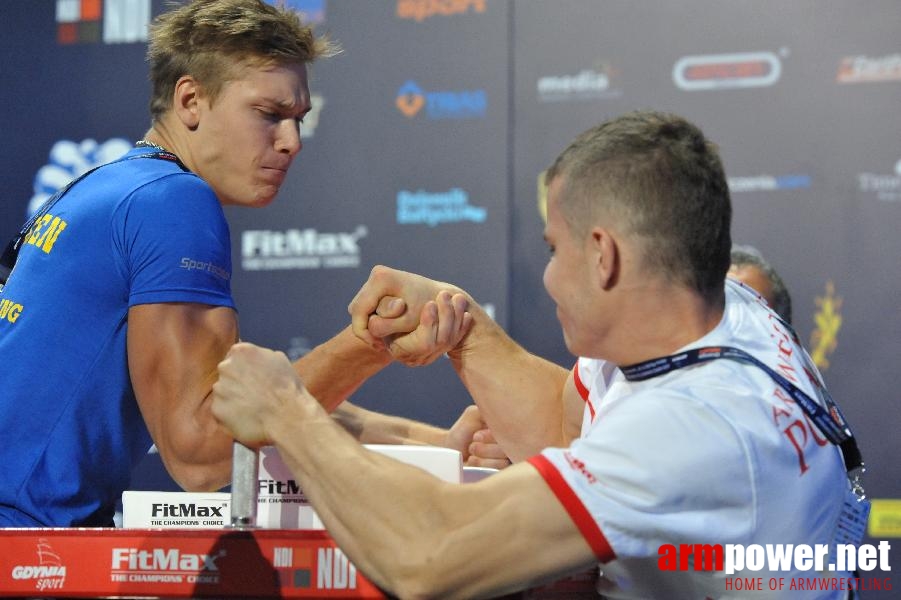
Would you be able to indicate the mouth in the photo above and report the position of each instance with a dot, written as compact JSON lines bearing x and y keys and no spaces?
{"x":275,"y":174}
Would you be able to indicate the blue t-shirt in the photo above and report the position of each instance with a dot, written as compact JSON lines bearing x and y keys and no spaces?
{"x":137,"y":231}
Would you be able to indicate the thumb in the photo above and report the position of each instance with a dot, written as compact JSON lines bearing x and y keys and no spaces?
{"x":391,"y":307}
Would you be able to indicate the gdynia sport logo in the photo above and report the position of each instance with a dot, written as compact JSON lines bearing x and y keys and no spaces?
{"x":830,"y":567}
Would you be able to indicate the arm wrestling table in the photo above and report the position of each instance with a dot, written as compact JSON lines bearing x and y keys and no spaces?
{"x":239,"y":561}
{"x":235,"y":562}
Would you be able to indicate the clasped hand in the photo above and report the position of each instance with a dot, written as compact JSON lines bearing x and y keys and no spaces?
{"x":415,"y":318}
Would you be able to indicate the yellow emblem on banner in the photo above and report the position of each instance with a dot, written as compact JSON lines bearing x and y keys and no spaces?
{"x":828,"y":321}
{"x":885,"y":518}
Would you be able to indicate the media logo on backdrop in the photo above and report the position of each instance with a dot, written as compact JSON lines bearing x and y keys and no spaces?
{"x":704,"y":72}
{"x":436,"y":208}
{"x":588,"y":84}
{"x":267,"y":250}
{"x":883,"y":186}
{"x":867,"y":69}
{"x":68,"y":160}
{"x":769,"y":183}
{"x":450,"y":104}
{"x":109,"y":21}
{"x":420,"y":10}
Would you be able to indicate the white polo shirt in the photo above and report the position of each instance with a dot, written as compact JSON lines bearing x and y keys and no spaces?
{"x":714,"y":453}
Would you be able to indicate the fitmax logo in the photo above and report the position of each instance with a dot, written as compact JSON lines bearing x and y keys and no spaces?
{"x":469,"y":104}
{"x":264,"y":250}
{"x":185,"y":510}
{"x":160,"y":559}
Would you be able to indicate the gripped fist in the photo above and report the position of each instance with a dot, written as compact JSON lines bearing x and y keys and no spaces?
{"x":255,"y":387}
{"x":416,"y":318}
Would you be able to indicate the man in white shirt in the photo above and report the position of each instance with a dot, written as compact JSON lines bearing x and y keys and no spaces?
{"x":751,"y":268}
{"x":690,"y":456}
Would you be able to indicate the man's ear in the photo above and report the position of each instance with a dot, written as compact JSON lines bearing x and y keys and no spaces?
{"x":185,"y":101}
{"x":605,"y":254}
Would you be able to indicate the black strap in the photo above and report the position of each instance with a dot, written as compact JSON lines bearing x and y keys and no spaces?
{"x":831,"y":423}
{"x":11,"y":253}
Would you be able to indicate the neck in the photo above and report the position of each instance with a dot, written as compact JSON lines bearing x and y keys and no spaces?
{"x":659,"y":320}
{"x":159,"y":136}
{"x":154,"y":138}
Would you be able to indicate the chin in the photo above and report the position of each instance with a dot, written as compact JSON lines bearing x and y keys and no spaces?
{"x":577,"y":347}
{"x":262,"y":202}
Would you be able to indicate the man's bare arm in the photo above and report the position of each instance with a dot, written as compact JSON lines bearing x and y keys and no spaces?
{"x":336,"y":368}
{"x":412,"y":521}
{"x":173,"y":350}
{"x":519,"y":394}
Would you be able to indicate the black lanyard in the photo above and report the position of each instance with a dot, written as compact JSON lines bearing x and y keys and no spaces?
{"x":832,"y":423}
{"x":11,"y":253}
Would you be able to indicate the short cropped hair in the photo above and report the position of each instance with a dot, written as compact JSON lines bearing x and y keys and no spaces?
{"x":660,"y":180}
{"x":749,"y":256}
{"x":210,"y":39}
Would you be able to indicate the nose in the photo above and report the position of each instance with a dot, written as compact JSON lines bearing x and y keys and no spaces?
{"x":288,"y":137}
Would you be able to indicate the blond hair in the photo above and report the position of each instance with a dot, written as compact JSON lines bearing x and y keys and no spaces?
{"x":211,"y":39}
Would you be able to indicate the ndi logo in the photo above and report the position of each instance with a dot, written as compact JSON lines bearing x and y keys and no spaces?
{"x":467,"y":104}
{"x":435,"y":208}
{"x":70,"y":159}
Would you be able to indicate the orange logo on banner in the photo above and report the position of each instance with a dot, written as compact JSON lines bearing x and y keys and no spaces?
{"x":410,"y":105}
{"x":410,"y":100}
{"x":423,"y":9}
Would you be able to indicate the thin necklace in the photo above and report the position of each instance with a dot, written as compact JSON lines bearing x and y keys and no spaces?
{"x":166,"y":153}
{"x":146,"y":144}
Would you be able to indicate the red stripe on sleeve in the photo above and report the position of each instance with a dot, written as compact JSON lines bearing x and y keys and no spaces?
{"x":583,"y":391}
{"x":577,"y":511}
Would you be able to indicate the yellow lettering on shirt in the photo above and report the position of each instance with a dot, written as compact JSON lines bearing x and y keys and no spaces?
{"x":10,"y":311}
{"x":36,"y":229}
{"x":45,"y":232}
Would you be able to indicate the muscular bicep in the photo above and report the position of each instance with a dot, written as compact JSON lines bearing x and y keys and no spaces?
{"x":173,"y":352}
